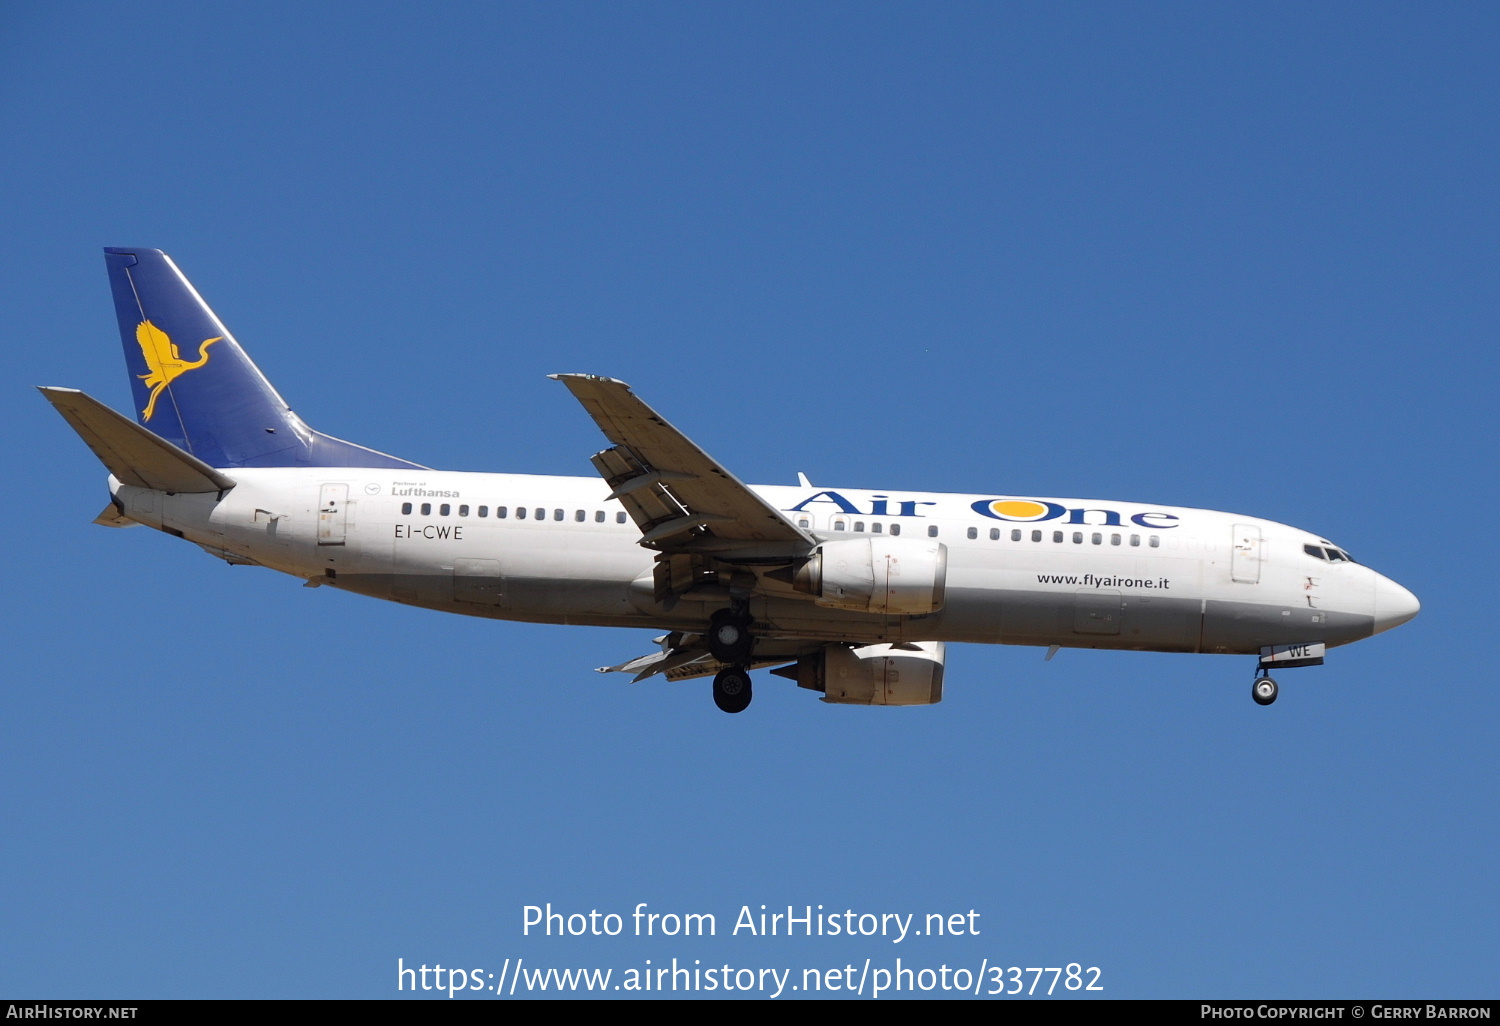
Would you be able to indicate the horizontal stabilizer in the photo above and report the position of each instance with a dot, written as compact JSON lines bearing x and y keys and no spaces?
{"x":130,"y":452}
{"x":111,"y":516}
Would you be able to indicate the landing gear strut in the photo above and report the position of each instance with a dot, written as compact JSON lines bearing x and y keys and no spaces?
{"x":730,"y":642}
{"x":729,"y":637}
{"x":1264,"y":691}
{"x":732,"y":691}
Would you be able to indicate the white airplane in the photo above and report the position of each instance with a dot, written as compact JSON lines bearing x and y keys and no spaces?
{"x":849,"y":592}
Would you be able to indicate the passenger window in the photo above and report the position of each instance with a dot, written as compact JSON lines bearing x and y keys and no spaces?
{"x":463,"y":511}
{"x":619,"y":518}
{"x":1135,"y":540}
{"x":840,"y":524}
{"x":1114,"y":539}
{"x":1156,"y":541}
{"x":484,"y":511}
{"x":557,"y":514}
{"x":1057,"y":537}
{"x":895,"y":528}
{"x":859,"y":525}
{"x":520,"y":512}
{"x":444,"y":510}
{"x":599,"y":516}
{"x":1097,"y":539}
{"x":1015,"y":535}
{"x":539,"y":514}
{"x":1036,"y":536}
{"x":1077,"y":537}
{"x":427,"y":509}
{"x":803,"y":522}
{"x":500,"y":512}
{"x":875,"y":529}
{"x":406,"y":509}
{"x":580,"y":516}
{"x":995,"y":534}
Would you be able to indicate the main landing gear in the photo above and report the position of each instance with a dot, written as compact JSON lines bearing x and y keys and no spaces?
{"x":732,"y":690}
{"x":730,"y":642}
{"x":729,"y":637}
{"x":1264,"y":690}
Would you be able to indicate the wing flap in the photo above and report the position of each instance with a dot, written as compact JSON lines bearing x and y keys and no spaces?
{"x":686,"y":657}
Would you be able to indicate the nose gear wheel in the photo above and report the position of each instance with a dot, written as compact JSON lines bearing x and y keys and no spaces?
{"x":1264,"y":691}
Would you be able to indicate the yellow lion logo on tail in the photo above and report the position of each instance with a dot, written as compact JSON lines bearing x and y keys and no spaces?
{"x":166,"y":363}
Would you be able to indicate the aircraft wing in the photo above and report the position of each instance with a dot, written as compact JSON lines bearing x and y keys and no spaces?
{"x":680,"y":497}
{"x":686,"y":656}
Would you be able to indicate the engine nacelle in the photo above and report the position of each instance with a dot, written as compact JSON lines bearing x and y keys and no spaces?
{"x":874,"y":674}
{"x":877,"y":574}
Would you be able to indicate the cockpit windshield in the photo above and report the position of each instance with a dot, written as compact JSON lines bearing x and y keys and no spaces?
{"x":1328,"y":553}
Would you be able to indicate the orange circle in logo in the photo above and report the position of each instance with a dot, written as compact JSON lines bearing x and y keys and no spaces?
{"x":1017,"y":509}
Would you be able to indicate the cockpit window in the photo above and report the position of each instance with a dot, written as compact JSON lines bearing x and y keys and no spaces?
{"x":1329,"y":553}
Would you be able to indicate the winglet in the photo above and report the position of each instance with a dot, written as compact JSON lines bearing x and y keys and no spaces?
{"x":130,"y":452}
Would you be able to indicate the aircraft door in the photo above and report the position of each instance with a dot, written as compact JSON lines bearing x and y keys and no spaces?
{"x":478,"y":581}
{"x":1097,"y":612}
{"x":1245,"y":554}
{"x":333,"y":512}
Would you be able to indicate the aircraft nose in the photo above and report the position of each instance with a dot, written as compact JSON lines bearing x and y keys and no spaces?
{"x":1394,"y":605}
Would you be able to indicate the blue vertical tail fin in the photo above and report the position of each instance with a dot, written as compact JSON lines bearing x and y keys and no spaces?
{"x":194,"y":385}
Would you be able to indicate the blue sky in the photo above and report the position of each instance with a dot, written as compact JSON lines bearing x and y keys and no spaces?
{"x":1232,"y":256}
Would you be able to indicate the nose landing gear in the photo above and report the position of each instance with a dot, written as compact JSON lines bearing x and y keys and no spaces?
{"x":1264,"y":691}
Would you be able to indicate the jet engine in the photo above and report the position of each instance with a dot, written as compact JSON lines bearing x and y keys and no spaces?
{"x":909,"y":674}
{"x":876,"y":574}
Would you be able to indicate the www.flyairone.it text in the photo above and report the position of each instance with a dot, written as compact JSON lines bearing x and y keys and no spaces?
{"x":1090,"y":581}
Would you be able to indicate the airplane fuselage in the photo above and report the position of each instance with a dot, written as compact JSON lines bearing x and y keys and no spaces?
{"x":1065,"y":572}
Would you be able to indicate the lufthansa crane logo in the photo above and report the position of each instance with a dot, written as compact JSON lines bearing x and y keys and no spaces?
{"x":166,"y":363}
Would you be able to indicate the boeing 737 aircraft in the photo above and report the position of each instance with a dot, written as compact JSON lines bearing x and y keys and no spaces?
{"x":848,"y":592}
